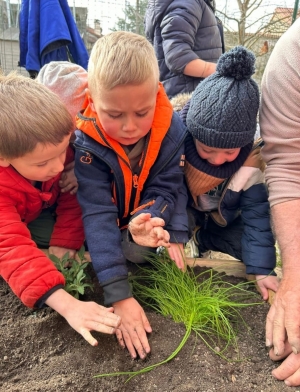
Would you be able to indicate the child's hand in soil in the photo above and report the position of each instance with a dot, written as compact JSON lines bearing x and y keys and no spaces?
{"x":133,"y":328}
{"x":266,"y":282}
{"x":60,"y":252}
{"x":68,"y":181}
{"x":147,"y":231}
{"x":84,"y":316}
{"x":176,"y":253}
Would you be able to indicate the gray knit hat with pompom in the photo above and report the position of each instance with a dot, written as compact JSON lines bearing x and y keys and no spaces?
{"x":223,"y":108}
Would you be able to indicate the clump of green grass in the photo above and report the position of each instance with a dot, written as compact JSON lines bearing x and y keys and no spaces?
{"x":204,"y":303}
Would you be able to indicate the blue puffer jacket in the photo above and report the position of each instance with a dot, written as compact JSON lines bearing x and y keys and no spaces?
{"x":181,"y":31}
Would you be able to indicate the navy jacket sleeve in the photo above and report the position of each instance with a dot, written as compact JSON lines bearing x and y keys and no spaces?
{"x":103,"y":236}
{"x":258,"y":242}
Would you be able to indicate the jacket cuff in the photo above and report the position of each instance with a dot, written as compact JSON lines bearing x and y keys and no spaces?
{"x":179,"y":237}
{"x":116,"y":290}
{"x":251,"y":270}
{"x":40,"y":303}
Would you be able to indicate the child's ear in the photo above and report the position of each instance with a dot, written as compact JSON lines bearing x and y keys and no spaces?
{"x":90,"y":100}
{"x":4,"y":162}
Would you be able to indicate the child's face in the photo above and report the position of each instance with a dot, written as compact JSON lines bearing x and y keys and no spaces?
{"x":126,"y":112}
{"x":41,"y":164}
{"x":216,"y":156}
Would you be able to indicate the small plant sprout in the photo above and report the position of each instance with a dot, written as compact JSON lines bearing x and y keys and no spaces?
{"x":77,"y":280}
{"x":204,"y":303}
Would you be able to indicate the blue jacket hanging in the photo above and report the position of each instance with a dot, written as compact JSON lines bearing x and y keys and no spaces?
{"x":48,"y":32}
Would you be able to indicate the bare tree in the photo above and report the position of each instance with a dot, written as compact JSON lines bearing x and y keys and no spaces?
{"x":274,"y":23}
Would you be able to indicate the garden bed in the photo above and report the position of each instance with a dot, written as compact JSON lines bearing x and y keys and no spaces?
{"x":41,"y":352}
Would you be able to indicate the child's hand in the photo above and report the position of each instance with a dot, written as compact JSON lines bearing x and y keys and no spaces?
{"x":60,"y":252}
{"x":177,"y":254}
{"x":68,"y":181}
{"x":84,"y":316}
{"x":132,"y":331}
{"x":266,"y":282}
{"x":147,"y":231}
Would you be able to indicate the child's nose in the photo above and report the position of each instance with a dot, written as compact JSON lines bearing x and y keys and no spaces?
{"x":217,"y":160}
{"x":129,"y":124}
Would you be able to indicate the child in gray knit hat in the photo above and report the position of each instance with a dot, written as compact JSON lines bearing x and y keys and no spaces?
{"x":224,"y":170}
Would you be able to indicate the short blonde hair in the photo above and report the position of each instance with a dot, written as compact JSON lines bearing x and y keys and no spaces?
{"x":30,"y":114}
{"x":121,"y":58}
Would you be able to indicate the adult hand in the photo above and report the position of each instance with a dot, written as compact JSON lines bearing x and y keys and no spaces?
{"x":147,"y":231}
{"x":68,"y":181}
{"x":84,"y":317}
{"x":283,"y":319}
{"x":176,"y":253}
{"x":132,"y":331}
{"x":289,"y":370}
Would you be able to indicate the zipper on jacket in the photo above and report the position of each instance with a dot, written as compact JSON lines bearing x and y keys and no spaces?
{"x":206,"y":216}
{"x":135,"y":176}
{"x":135,"y":180}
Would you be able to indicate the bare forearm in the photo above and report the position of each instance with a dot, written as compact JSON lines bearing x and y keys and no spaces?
{"x":199,"y":68}
{"x":286,"y":219}
{"x":60,"y":301}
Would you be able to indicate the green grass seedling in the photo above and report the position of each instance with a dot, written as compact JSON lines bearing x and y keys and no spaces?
{"x":204,"y":303}
{"x":77,"y":280}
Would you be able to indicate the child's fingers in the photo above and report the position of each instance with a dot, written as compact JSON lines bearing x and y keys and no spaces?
{"x":161,"y":234}
{"x":88,"y":337}
{"x":140,"y":219}
{"x":108,"y":319}
{"x":157,"y":222}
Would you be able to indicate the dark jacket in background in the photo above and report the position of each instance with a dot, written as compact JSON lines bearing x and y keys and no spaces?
{"x":181,"y":31}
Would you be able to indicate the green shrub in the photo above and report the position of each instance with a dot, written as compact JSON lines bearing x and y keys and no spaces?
{"x":77,"y":280}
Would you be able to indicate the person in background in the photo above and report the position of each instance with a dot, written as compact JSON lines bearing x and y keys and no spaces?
{"x":280,"y":129}
{"x":129,"y":165}
{"x":35,"y":130}
{"x":224,"y":170}
{"x":187,"y":41}
{"x":69,"y":82}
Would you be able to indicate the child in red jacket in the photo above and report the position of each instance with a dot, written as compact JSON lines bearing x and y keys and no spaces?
{"x":35,"y":129}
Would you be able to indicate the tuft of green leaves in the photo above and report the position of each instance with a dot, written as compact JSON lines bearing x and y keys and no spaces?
{"x":204,"y":303}
{"x":77,"y":279}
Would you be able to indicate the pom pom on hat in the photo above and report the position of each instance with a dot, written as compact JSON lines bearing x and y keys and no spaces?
{"x":223,"y":108}
{"x":68,"y":81}
{"x":238,"y":63}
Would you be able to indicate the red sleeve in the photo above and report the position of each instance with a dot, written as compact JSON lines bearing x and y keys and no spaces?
{"x":26,"y":269}
{"x":68,"y":229}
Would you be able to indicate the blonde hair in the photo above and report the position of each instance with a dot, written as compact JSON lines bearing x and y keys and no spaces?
{"x":30,"y":114}
{"x":121,"y":58}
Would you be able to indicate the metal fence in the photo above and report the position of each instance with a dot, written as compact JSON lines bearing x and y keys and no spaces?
{"x":93,"y":18}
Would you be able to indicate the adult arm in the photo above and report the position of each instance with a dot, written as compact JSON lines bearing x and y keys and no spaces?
{"x":280,"y":129}
{"x":179,"y":29}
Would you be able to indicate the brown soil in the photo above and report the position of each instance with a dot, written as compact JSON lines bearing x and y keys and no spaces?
{"x":41,"y":352}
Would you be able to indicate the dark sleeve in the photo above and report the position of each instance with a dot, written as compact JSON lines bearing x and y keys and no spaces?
{"x":179,"y":28}
{"x":178,"y":224}
{"x":103,"y":236}
{"x":258,"y":244}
